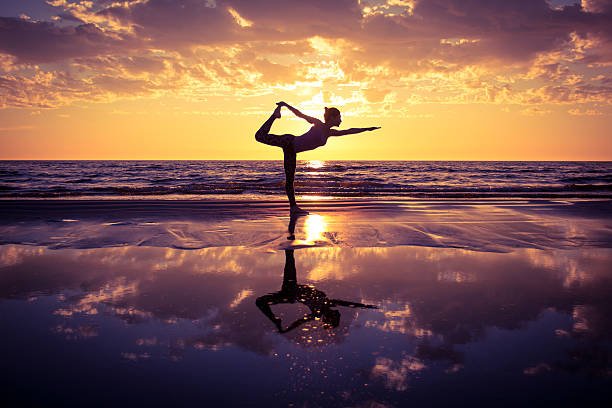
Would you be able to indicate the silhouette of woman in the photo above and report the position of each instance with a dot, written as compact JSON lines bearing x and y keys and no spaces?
{"x":317,"y":301}
{"x":315,"y":137}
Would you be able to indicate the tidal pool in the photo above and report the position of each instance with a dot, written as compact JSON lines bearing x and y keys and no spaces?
{"x":324,"y":326}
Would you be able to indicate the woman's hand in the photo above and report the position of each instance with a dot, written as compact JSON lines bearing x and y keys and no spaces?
{"x":282,"y":103}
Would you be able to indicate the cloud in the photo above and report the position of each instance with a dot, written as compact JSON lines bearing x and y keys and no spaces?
{"x":587,"y":112}
{"x":535,"y":111}
{"x":473,"y":31}
{"x":597,"y":6}
{"x":388,"y":53}
{"x":39,"y":41}
{"x":15,"y":128}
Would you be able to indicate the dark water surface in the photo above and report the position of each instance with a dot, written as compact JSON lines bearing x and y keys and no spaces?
{"x":146,"y":326}
{"x":179,"y":179}
{"x":493,"y":290}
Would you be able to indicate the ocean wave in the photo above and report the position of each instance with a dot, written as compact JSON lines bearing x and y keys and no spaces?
{"x":606,"y":178}
{"x":343,"y":189}
{"x":334,"y":179}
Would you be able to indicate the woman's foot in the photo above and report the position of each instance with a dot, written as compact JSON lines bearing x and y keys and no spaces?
{"x":277,"y":112}
{"x":295,"y":210}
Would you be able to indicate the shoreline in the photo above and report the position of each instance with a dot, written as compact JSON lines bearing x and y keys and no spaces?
{"x":448,"y":195}
{"x":478,"y":225}
{"x":275,"y":207}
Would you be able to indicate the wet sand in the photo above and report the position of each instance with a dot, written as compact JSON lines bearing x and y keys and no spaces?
{"x":482,"y":225}
{"x":501,"y":303}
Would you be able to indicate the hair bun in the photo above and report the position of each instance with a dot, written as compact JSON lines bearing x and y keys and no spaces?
{"x":326,"y":108}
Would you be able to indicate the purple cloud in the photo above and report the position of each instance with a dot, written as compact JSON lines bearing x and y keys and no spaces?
{"x":40,"y":41}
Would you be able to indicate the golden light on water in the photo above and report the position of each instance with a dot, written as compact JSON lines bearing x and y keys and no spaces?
{"x":315,"y":164}
{"x":314,"y":227}
{"x":315,"y":198}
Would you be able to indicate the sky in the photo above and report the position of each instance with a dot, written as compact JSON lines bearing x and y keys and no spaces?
{"x":194,"y":79}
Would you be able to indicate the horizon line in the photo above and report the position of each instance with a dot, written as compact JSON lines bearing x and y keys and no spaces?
{"x":331,"y":160}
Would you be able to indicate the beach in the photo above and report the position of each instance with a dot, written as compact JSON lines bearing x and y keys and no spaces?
{"x":306,"y":204}
{"x":480,"y":225}
{"x":500,"y":301}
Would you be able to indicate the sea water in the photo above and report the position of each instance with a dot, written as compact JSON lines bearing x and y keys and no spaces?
{"x":253,"y":179}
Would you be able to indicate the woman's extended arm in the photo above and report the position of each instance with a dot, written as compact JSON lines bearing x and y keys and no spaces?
{"x":351,"y":131}
{"x":299,"y":114}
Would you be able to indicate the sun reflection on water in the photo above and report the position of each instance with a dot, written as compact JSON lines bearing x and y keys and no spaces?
{"x":314,"y":227}
{"x":315,"y":164}
{"x":314,"y":198}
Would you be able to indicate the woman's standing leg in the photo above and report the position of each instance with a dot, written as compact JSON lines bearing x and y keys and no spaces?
{"x":286,"y":143}
{"x":290,"y":162}
{"x":289,"y":273}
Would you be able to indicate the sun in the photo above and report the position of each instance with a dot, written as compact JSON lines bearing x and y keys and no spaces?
{"x":315,"y":164}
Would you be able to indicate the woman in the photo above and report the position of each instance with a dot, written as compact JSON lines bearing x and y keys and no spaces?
{"x":321,"y":307}
{"x":291,"y":145}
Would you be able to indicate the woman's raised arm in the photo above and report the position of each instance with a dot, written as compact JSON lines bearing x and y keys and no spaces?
{"x":299,"y":114}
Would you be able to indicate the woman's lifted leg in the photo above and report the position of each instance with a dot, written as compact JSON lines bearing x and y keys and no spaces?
{"x":263,"y":134}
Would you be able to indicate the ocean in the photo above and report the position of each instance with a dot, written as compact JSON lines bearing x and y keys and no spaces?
{"x":163,"y":283}
{"x":256,"y":179}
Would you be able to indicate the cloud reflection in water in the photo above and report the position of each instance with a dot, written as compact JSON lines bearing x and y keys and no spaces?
{"x":437,"y":308}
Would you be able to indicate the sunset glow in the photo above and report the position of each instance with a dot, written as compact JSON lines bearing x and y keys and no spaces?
{"x":194,"y":79}
{"x":314,"y":227}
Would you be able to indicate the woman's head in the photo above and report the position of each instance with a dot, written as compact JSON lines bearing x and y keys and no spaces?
{"x":332,"y":116}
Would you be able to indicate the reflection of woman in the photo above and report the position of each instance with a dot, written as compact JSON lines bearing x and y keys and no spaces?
{"x":291,"y":145}
{"x":317,"y":301}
